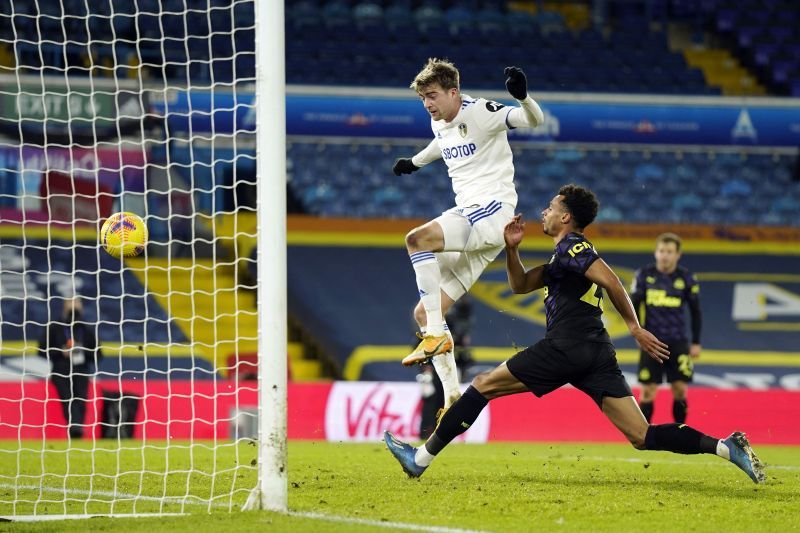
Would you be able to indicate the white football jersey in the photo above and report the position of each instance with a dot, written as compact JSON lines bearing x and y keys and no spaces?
{"x":475,"y":147}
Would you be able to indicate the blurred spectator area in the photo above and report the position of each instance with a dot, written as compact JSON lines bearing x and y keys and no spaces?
{"x":188,"y":41}
{"x":737,"y":46}
{"x":564,"y":45}
{"x":763,"y":34}
{"x":354,"y":179}
{"x":384,"y":44}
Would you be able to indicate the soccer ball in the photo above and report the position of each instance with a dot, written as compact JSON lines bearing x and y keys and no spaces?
{"x":124,"y":235}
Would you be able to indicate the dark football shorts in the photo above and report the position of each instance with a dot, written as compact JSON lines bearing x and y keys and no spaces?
{"x":679,"y":366}
{"x":588,"y":366}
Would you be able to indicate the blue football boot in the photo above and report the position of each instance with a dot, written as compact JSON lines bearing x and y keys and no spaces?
{"x":743,"y":456}
{"x":404,"y":453}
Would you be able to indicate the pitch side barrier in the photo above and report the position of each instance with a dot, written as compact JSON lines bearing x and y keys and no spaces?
{"x":750,"y":292}
{"x":570,"y":117}
{"x":347,"y":411}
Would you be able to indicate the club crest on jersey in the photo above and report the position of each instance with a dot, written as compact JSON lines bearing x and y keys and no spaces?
{"x":462,"y":130}
{"x":679,"y":284}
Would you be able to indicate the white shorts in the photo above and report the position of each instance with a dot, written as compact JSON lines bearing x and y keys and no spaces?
{"x":473,"y":238}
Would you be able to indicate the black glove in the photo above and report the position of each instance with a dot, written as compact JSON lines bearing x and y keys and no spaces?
{"x":516,"y":82}
{"x":403,"y":165}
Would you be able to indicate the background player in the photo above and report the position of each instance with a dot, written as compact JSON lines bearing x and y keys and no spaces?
{"x":450,"y":252}
{"x":576,"y":348}
{"x":660,"y":292}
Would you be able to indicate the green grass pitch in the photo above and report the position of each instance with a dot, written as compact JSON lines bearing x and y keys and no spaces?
{"x":494,"y":487}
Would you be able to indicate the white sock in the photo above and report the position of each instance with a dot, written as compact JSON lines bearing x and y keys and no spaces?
{"x":723,"y":451}
{"x":445,"y":366}
{"x":423,"y":457}
{"x":429,"y":279}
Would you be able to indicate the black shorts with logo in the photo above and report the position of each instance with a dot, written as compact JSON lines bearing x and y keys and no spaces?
{"x":588,"y":366}
{"x":679,"y":366}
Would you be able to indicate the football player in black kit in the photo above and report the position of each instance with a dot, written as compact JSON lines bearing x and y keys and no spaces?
{"x":576,"y":348}
{"x":660,"y":293}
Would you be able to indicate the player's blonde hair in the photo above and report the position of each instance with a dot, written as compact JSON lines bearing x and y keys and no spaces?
{"x":439,"y":71}
{"x":669,"y":237}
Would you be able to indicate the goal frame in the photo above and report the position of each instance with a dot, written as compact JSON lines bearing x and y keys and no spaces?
{"x":270,"y":491}
{"x":270,"y":103}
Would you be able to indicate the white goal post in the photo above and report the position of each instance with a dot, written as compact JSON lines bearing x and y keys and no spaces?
{"x":271,"y":492}
{"x":155,"y":384}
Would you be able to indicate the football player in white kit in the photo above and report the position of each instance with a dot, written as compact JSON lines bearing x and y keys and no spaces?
{"x":450,"y":252}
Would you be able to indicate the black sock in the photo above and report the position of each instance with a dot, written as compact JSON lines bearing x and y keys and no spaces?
{"x":457,"y":420}
{"x":679,"y":409}
{"x":679,"y":438}
{"x":647,"y":410}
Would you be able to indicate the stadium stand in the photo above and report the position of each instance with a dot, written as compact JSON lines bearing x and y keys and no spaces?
{"x":367,"y":345}
{"x":150,"y":38}
{"x":139,"y":337}
{"x":366,"y":43}
{"x":354,"y":179}
{"x":474,"y":35}
{"x":349,"y":43}
{"x":762,"y":34}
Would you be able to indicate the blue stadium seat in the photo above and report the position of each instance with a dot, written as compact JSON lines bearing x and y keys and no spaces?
{"x":757,"y":189}
{"x":368,"y":11}
{"x":726,"y":20}
{"x":325,"y":32}
{"x":491,"y":24}
{"x":521,"y":24}
{"x":460,"y":21}
{"x":429,"y":18}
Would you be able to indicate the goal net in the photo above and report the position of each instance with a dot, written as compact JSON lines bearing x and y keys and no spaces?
{"x":145,"y":107}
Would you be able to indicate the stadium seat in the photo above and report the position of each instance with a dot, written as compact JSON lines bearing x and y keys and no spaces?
{"x":337,"y":16}
{"x":459,"y":20}
{"x":477,"y":32}
{"x":733,"y":182}
{"x":368,"y":18}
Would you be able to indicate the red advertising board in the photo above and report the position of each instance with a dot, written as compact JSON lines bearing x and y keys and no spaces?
{"x":360,"y":411}
{"x":68,"y":199}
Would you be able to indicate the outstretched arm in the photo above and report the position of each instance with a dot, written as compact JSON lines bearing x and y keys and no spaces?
{"x":529,"y":114}
{"x":429,"y":154}
{"x":601,"y":274}
{"x":521,"y":282}
{"x":407,"y":165}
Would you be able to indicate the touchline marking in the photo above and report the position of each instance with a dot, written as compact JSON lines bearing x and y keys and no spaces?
{"x":181,"y":500}
{"x":59,"y":517}
{"x":206,"y":503}
{"x":380,"y":523}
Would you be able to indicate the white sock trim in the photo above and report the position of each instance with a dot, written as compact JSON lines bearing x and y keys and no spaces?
{"x":446,"y":369}
{"x":723,"y":451}
{"x":429,"y":278}
{"x":423,"y":457}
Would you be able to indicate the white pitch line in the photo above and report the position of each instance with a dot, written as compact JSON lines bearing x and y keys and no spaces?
{"x":59,"y":517}
{"x":185,"y":500}
{"x":206,"y":503}
{"x":380,"y":523}
{"x":326,"y":517}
